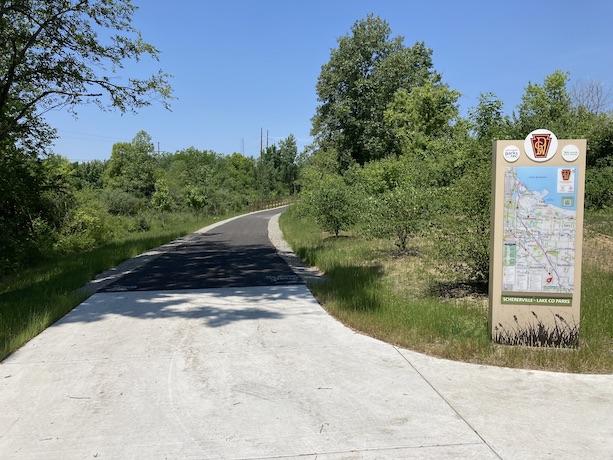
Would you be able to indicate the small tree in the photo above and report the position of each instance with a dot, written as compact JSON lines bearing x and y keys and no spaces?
{"x":161,"y":199}
{"x":396,"y":213}
{"x":462,"y":225}
{"x":334,"y":203}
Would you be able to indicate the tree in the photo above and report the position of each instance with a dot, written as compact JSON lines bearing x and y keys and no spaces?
{"x":35,"y":197}
{"x":591,"y":95}
{"x":422,"y":115}
{"x":545,"y":106}
{"x":396,"y":213}
{"x":334,"y":205}
{"x":356,"y":86}
{"x":487,"y":121}
{"x":161,"y":199}
{"x":62,"y":53}
{"x":89,"y":174}
{"x":132,"y":166}
{"x":288,"y":151}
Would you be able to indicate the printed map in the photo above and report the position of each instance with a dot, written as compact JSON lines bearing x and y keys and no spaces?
{"x":539,"y":229}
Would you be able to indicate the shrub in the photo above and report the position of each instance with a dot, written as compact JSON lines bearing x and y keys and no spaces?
{"x":598,"y":190}
{"x":462,"y":225}
{"x":120,"y":203}
{"x":86,"y":228}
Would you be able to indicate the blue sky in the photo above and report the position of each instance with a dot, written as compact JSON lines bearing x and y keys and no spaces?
{"x":240,"y":65}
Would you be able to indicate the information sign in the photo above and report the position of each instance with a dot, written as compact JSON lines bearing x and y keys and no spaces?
{"x":537,"y":230}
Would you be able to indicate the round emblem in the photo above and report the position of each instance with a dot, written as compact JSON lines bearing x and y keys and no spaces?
{"x":511,"y":153}
{"x":570,"y":152}
{"x":541,"y":145}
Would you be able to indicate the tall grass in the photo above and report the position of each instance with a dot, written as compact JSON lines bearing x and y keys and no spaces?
{"x":404,"y":300}
{"x":37,"y":297}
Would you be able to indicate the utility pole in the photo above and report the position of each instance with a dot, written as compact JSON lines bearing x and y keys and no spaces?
{"x":266,"y":140}
{"x":261,"y":145}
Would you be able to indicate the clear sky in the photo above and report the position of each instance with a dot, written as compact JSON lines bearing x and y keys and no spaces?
{"x":240,"y":66}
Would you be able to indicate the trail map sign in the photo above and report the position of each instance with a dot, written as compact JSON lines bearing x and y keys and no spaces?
{"x":537,"y":230}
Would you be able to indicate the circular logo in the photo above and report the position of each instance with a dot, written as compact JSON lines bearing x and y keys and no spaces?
{"x":570,"y":152}
{"x":541,"y":145}
{"x":511,"y":153}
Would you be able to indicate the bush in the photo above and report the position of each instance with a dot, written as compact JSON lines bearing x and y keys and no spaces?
{"x":598,"y":188}
{"x":87,"y":227}
{"x":120,"y":203}
{"x":462,"y":226}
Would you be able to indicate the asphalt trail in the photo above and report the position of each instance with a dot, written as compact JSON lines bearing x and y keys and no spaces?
{"x":236,"y":254}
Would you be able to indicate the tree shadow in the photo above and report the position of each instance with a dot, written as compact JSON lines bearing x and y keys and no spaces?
{"x":460,"y":290}
{"x":210,"y":261}
{"x":216,"y":308}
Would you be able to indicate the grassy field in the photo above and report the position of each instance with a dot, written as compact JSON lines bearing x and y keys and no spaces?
{"x":37,"y":297}
{"x":403,"y":299}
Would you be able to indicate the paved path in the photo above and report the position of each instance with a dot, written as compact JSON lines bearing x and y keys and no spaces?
{"x":256,"y":369}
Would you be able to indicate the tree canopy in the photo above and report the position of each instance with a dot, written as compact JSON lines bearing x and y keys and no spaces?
{"x":358,"y":83}
{"x":62,"y":53}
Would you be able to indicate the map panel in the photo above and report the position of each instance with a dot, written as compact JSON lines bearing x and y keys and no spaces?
{"x":539,"y":229}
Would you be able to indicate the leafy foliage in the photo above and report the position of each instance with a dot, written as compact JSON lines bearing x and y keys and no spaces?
{"x":57,"y":54}
{"x":599,"y":188}
{"x":50,"y":206}
{"x":397,"y":213}
{"x":393,"y":130}
{"x":334,"y":205}
{"x":356,"y":86}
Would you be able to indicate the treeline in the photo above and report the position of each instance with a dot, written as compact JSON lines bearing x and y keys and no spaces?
{"x":50,"y":205}
{"x":394,"y":158}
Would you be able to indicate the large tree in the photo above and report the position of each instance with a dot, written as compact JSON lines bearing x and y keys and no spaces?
{"x":356,"y":85}
{"x":62,"y":53}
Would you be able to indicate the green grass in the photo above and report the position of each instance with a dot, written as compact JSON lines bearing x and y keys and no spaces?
{"x":37,"y":297}
{"x":404,"y":300}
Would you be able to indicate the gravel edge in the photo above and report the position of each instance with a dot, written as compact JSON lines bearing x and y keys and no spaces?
{"x":307,"y":273}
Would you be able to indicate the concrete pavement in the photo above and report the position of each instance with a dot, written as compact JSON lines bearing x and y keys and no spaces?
{"x":263,"y":371}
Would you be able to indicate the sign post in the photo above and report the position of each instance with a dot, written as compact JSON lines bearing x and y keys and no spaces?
{"x":536,"y":242}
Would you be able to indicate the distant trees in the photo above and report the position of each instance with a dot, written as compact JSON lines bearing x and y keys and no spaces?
{"x":277,"y":169}
{"x":132,"y":166}
{"x":51,"y":205}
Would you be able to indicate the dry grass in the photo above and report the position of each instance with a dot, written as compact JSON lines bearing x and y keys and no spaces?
{"x":598,"y":251}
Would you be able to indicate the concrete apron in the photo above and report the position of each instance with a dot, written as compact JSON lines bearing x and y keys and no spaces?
{"x":265,"y":373}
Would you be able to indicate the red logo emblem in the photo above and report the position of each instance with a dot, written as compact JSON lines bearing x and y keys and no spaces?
{"x":566,"y":174}
{"x":540,"y":145}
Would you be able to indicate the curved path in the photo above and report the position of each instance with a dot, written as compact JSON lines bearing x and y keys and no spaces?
{"x":215,"y":349}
